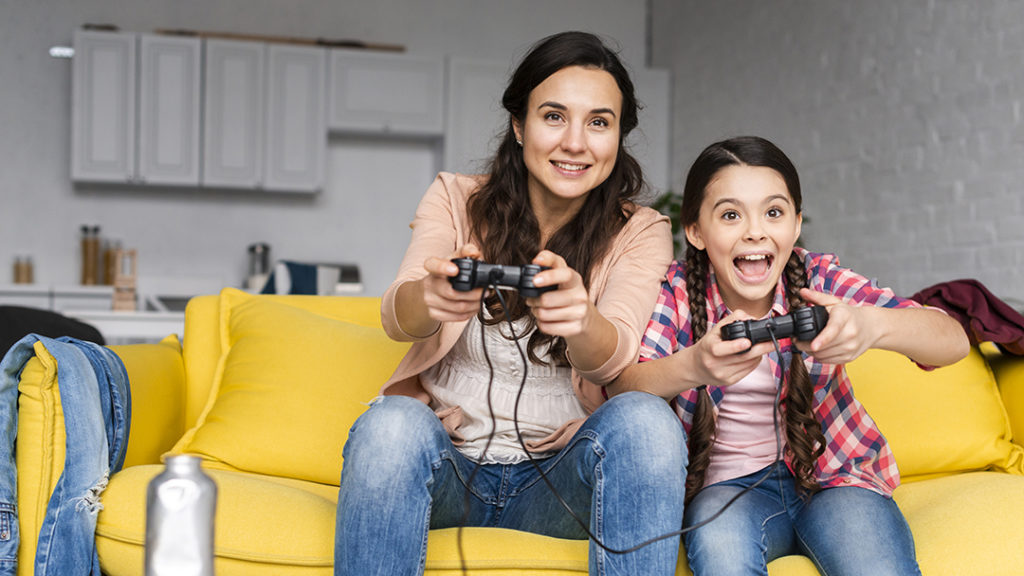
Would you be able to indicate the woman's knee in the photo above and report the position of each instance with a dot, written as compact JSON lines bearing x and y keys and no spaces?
{"x":394,"y":427}
{"x":641,"y":418}
{"x":642,"y":430}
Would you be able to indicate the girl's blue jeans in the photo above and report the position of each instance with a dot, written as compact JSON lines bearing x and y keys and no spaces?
{"x":844,"y":530}
{"x":622,"y":473}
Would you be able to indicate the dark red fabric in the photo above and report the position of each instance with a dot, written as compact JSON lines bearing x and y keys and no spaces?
{"x":984,"y":317}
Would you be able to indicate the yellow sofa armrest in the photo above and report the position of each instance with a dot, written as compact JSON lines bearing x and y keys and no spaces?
{"x":1009,"y":372}
{"x":157,"y":379}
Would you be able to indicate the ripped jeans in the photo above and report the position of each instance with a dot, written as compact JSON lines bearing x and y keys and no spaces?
{"x":96,"y":404}
{"x":623,"y":473}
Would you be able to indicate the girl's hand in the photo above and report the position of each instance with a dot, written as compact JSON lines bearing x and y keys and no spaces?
{"x":566,"y":311}
{"x":725,"y":362}
{"x":848,"y":333}
{"x":443,"y":302}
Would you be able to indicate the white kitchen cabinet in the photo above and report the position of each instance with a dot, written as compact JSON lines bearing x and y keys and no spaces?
{"x":264,"y":125}
{"x":386,"y":93}
{"x":169,"y":109}
{"x":296,"y":129}
{"x":103,"y":107}
{"x":135,"y":108}
{"x":475,"y":118}
{"x":233,"y":123}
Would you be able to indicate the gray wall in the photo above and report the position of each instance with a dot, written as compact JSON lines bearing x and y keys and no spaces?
{"x":373,"y":185}
{"x":904,"y":119}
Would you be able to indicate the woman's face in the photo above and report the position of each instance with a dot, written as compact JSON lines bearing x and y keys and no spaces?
{"x":748,"y":225}
{"x":570,"y":135}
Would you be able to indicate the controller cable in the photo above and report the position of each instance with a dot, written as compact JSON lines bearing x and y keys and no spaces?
{"x":554,"y":491}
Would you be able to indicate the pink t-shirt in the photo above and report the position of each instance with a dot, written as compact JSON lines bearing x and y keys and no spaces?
{"x":745,"y":438}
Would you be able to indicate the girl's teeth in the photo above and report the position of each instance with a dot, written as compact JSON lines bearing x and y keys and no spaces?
{"x":573,"y":167}
{"x":753,"y":265}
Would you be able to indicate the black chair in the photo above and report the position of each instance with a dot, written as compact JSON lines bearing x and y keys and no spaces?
{"x":18,"y":321}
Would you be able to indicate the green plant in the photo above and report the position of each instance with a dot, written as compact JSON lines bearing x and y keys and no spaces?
{"x":671,"y":204}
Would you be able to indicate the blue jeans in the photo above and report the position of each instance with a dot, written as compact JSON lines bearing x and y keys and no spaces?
{"x":622,"y":473}
{"x":96,"y":403}
{"x":844,"y":530}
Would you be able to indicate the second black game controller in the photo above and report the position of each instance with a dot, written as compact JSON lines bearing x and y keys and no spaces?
{"x":476,"y":274}
{"x":803,"y":324}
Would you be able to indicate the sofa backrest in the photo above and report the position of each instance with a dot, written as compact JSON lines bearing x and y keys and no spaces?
{"x":202,"y":340}
{"x":937,"y":422}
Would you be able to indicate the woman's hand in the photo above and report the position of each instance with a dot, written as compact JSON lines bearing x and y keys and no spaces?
{"x":421,"y":305}
{"x":848,"y":333}
{"x":443,"y":302}
{"x":566,"y":311}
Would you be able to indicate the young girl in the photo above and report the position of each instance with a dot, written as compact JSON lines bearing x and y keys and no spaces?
{"x":829,"y":498}
{"x":560,"y":193}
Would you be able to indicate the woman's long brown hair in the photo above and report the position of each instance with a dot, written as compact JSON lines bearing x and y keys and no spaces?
{"x":500,"y":211}
{"x":804,"y":437}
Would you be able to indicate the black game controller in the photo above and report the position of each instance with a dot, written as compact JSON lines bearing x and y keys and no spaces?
{"x":476,"y":274}
{"x":803,"y":324}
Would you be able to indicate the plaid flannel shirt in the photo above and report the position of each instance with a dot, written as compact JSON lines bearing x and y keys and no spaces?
{"x":856,"y":453}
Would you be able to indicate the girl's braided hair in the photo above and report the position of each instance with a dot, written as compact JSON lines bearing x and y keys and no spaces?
{"x":805,"y":440}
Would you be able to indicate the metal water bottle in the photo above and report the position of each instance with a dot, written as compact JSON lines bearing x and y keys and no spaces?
{"x":180,"y":505}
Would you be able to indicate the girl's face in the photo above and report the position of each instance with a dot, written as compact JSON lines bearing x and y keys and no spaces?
{"x":570,"y":136}
{"x":748,"y":225}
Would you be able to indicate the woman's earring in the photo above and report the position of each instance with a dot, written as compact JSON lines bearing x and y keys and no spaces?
{"x":520,"y":142}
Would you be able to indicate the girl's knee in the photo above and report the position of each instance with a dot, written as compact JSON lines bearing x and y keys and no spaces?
{"x":729,"y":544}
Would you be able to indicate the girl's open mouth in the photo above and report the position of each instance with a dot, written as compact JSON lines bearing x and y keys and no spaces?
{"x":753,"y":267}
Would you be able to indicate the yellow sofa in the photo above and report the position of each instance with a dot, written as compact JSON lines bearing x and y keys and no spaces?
{"x":266,"y":388}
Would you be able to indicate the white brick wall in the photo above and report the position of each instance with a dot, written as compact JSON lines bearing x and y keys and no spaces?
{"x":904,"y":119}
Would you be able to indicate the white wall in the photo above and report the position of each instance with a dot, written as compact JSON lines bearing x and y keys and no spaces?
{"x":904,"y":119}
{"x":373,"y":185}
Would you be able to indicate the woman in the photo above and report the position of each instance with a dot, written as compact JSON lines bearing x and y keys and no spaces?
{"x":442,"y":447}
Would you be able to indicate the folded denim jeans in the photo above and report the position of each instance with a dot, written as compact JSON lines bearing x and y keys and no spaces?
{"x":96,"y":402}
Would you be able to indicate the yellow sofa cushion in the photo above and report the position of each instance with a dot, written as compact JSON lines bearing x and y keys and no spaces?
{"x":1009,"y":371}
{"x":982,"y":512}
{"x":158,"y":398}
{"x":288,"y":386}
{"x":270,"y":526}
{"x":264,"y":524}
{"x":937,"y":422}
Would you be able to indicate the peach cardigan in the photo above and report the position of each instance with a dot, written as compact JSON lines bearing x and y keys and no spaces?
{"x":624,"y":287}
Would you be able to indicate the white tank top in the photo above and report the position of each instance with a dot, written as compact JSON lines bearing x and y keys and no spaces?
{"x":460,"y":379}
